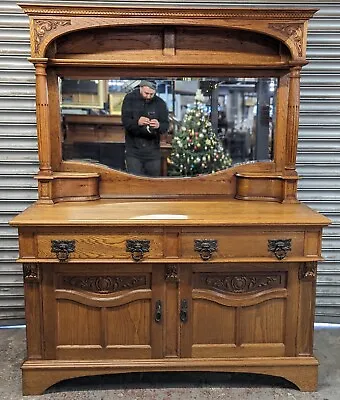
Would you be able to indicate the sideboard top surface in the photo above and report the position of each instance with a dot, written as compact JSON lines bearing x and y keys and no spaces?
{"x":165,"y":213}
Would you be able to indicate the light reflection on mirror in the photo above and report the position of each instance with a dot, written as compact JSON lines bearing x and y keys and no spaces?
{"x":236,"y":121}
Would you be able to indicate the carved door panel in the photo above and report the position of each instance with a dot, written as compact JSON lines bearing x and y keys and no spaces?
{"x":103,"y":311}
{"x":236,"y":310}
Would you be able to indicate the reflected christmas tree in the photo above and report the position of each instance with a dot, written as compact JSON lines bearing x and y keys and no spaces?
{"x":196,"y":149}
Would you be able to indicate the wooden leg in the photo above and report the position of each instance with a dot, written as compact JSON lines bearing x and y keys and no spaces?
{"x":305,"y":378}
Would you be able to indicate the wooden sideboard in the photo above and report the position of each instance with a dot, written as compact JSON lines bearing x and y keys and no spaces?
{"x":133,"y":286}
{"x":211,"y":273}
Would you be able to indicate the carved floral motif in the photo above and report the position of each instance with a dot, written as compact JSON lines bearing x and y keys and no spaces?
{"x":293,"y":31}
{"x":105,"y":284}
{"x":41,"y":27}
{"x":171,"y":273}
{"x":308,"y":271}
{"x":242,"y":283}
{"x":31,"y":272}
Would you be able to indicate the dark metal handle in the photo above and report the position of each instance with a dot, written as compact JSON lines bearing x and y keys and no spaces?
{"x":205,"y":255}
{"x":137,"y":248}
{"x":63,"y":248}
{"x":158,"y":311}
{"x":137,"y":255}
{"x":205,"y":247}
{"x":183,"y":314}
{"x":280,"y":247}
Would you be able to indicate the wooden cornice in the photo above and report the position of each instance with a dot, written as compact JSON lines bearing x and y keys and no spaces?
{"x":276,"y":14}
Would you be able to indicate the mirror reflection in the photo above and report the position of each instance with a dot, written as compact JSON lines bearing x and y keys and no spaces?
{"x":169,"y":127}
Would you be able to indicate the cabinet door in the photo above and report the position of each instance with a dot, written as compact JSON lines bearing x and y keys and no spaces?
{"x":238,"y":310}
{"x":102,"y":311}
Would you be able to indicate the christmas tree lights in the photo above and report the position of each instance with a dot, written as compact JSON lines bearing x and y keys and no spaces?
{"x":196,"y":149}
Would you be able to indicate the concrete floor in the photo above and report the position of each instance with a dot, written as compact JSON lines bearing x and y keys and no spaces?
{"x":173,"y":386}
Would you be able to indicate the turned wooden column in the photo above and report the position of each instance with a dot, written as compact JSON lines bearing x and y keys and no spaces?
{"x":44,"y":142}
{"x":43,"y":133}
{"x":293,"y":120}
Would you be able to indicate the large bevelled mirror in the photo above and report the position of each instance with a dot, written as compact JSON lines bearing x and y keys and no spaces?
{"x":214,"y":123}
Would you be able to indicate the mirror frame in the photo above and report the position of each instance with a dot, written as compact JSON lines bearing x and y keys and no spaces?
{"x":64,"y":180}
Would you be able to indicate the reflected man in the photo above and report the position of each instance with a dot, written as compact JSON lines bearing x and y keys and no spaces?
{"x":145,"y":117}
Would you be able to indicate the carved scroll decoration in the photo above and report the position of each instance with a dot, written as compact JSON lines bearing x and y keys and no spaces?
{"x":205,"y":247}
{"x":63,"y":248}
{"x":171,"y":273}
{"x":293,"y":31}
{"x":42,"y":27}
{"x":242,"y":283}
{"x":307,"y":271}
{"x":31,"y":272}
{"x":137,"y":248}
{"x":105,"y":284}
{"x":280,"y":247}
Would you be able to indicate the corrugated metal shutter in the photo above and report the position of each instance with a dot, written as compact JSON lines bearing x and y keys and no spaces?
{"x":18,"y":148}
{"x":319,"y":148}
{"x":319,"y":144}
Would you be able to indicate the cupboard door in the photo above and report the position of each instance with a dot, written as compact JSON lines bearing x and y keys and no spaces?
{"x":103,"y":311}
{"x":240,"y":310}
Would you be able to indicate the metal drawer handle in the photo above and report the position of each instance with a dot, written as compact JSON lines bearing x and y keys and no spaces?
{"x":137,"y":248}
{"x":158,"y":311}
{"x":280,"y":247}
{"x":63,"y":248}
{"x":205,"y":247}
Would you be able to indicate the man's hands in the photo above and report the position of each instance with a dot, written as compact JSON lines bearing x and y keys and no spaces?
{"x":154,"y":123}
{"x":145,"y":121}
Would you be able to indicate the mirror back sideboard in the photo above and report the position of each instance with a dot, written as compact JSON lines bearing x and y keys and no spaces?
{"x":125,"y":273}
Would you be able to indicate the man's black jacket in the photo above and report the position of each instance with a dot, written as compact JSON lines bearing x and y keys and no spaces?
{"x":138,"y":140}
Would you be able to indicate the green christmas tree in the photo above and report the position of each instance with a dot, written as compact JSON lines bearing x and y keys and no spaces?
{"x":196,"y":149}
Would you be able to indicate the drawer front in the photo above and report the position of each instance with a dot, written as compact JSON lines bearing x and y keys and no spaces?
{"x":234,"y":243}
{"x":101,"y":246}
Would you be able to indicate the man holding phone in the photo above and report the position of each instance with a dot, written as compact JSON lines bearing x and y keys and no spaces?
{"x":145,"y":117}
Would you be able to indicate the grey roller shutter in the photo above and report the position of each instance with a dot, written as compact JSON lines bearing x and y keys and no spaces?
{"x":318,"y":156}
{"x":18,"y":151}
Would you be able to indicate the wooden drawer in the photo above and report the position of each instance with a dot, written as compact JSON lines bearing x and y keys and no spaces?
{"x":241,"y":243}
{"x":102,"y":245}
